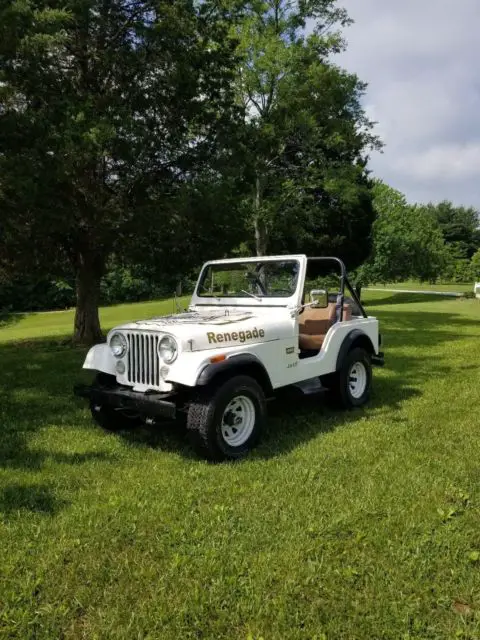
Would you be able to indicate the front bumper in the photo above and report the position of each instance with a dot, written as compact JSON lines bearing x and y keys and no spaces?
{"x":151,"y":404}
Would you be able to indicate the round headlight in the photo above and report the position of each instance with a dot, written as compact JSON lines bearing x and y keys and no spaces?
{"x":167,"y":349}
{"x":118,"y":345}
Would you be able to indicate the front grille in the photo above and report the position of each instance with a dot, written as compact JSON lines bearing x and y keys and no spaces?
{"x":143,"y":360}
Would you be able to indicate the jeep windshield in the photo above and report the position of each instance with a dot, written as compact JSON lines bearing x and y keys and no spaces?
{"x":258,"y":280}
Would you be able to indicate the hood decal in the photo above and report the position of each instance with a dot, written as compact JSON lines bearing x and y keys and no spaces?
{"x":194,"y":317}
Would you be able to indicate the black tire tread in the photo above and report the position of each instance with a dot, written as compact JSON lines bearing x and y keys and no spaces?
{"x":198,"y":413}
{"x":201,"y":415}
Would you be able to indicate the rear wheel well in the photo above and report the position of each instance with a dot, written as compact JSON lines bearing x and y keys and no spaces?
{"x":363,"y":342}
{"x":354,"y":340}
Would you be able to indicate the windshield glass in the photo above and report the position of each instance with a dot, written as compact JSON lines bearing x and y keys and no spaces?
{"x":276,"y":279}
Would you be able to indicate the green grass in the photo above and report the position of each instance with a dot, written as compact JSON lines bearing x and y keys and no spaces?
{"x":54,"y":324}
{"x":362,"y":524}
{"x":415,"y":285}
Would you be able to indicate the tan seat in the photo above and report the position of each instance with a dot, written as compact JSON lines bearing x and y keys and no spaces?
{"x":315,"y":323}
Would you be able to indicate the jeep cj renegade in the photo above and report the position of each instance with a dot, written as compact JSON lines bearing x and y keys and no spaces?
{"x":254,"y":326}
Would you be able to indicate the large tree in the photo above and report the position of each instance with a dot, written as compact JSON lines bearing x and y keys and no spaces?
{"x":109,"y":111}
{"x":306,"y":133}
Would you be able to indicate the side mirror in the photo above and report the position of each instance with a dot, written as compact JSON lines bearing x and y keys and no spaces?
{"x":319,"y":298}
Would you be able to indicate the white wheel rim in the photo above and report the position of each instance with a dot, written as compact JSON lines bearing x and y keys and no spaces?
{"x":238,"y":421}
{"x":357,"y":380}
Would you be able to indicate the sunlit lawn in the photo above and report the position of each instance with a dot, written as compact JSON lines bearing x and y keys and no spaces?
{"x":362,"y":524}
{"x":415,"y":285}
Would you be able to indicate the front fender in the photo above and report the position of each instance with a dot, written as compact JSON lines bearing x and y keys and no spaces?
{"x":195,"y":368}
{"x":232,"y":363}
{"x":100,"y":358}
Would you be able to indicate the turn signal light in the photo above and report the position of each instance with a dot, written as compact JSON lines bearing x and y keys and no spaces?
{"x":215,"y":359}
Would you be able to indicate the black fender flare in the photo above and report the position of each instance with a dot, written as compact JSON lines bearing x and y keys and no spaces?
{"x":355,"y":338}
{"x":240,"y":363}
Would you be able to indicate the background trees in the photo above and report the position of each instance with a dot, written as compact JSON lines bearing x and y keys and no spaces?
{"x":424,"y":242}
{"x":140,"y":137}
{"x":407,"y":242}
{"x":461,"y":230}
{"x":460,"y":227}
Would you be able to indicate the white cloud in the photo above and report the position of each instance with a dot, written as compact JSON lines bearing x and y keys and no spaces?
{"x":449,"y":163}
{"x":419,"y":59}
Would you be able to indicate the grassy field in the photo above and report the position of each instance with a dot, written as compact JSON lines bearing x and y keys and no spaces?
{"x":415,"y":285}
{"x":362,"y":524}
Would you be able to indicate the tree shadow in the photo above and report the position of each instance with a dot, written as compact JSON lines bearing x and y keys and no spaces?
{"x":38,"y":498}
{"x":37,"y":378}
{"x":405,"y":298}
{"x":424,"y":328}
{"x":171,"y":436}
{"x":16,"y":453}
{"x":8,"y":318}
{"x":295,"y":418}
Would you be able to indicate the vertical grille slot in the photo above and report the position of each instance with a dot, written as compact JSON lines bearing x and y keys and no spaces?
{"x":143,"y":361}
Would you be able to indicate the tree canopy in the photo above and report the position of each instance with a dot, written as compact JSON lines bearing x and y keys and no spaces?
{"x":109,"y":112}
{"x":460,"y":227}
{"x":307,"y":135}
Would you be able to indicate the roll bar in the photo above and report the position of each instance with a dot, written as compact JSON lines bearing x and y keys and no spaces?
{"x":344,"y":281}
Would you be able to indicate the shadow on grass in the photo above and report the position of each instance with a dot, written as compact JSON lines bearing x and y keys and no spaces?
{"x":405,"y":298}
{"x":36,"y":380}
{"x":294,"y":418}
{"x":36,"y":498}
{"x":37,"y":377}
{"x":8,"y":318}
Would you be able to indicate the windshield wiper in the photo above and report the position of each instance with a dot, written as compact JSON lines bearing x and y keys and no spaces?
{"x":251,"y":294}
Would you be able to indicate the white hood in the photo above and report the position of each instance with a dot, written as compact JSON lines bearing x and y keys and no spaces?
{"x":219,"y":328}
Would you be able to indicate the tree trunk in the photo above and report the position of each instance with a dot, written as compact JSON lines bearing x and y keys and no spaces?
{"x":87,"y":323}
{"x":261,"y":238}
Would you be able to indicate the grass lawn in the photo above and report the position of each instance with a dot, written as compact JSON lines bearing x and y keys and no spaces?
{"x":361,"y":524}
{"x":415,"y":285}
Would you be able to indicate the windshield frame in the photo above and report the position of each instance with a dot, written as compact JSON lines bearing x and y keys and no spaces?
{"x":247,"y":300}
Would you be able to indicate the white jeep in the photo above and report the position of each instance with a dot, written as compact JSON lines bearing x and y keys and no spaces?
{"x":254,"y":326}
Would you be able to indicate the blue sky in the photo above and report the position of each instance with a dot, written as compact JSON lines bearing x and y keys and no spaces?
{"x":421,"y":60}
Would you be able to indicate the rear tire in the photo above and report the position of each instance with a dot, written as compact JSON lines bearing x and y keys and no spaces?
{"x":351,"y":385}
{"x":225,"y":422}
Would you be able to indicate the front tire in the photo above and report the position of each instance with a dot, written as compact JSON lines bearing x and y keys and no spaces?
{"x":351,"y":385}
{"x":225,"y":422}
